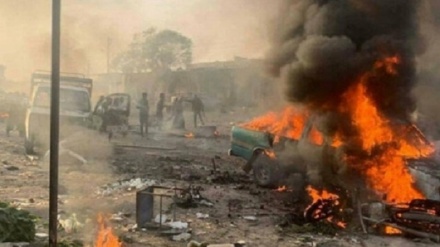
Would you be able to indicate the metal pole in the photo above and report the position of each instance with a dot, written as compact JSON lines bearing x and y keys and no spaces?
{"x":54,"y":123}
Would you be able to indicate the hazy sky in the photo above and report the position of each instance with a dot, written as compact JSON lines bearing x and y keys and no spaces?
{"x":220,"y":30}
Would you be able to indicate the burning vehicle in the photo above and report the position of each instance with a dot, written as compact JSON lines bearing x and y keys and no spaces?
{"x":75,"y":107}
{"x":371,"y":152}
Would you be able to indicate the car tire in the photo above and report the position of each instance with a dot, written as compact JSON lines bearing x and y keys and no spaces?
{"x":266,"y":171}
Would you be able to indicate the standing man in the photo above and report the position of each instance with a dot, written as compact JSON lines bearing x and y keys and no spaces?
{"x":198,"y":109}
{"x":143,"y":113}
{"x":159,"y":110}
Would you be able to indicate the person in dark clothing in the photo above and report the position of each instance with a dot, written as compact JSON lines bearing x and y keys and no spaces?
{"x":103,"y":112}
{"x":159,"y":110}
{"x":198,"y":109}
{"x":178,"y":119}
{"x":143,"y":113}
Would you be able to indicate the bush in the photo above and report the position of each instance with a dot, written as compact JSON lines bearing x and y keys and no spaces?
{"x":16,"y":225}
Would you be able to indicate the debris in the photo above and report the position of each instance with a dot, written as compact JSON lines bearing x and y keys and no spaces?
{"x":250,"y":218}
{"x":117,"y":217}
{"x":202,"y":216}
{"x":178,"y":224}
{"x":160,"y":218}
{"x":125,"y":185}
{"x":182,"y":237}
{"x":191,"y":197}
{"x":193,"y":243}
{"x":420,"y":217}
{"x":42,"y":235}
{"x":71,"y":224}
{"x":11,"y":168}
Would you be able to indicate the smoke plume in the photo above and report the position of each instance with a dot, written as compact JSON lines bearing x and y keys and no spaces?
{"x":322,"y":46}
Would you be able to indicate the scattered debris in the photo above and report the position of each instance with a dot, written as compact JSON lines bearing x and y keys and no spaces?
{"x":182,"y":237}
{"x":11,"y":168}
{"x":160,"y":218}
{"x":177,"y":224}
{"x":70,"y":224}
{"x":420,"y":217}
{"x":202,"y":216}
{"x":250,"y":218}
{"x":191,"y":197}
{"x":125,"y":185}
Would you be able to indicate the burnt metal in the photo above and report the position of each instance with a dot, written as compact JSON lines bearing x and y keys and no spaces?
{"x":419,"y":214}
{"x":54,"y":123}
{"x":321,"y":209}
{"x":191,"y":197}
{"x":145,"y":204}
{"x":433,"y":237}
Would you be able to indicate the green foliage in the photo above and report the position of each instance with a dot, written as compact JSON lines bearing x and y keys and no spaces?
{"x":16,"y":225}
{"x":152,"y":50}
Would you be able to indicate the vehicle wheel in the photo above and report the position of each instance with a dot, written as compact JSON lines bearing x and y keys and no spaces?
{"x":266,"y":171}
{"x":28,"y":146}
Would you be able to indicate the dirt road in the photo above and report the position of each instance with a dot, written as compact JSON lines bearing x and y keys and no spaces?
{"x":239,"y":210}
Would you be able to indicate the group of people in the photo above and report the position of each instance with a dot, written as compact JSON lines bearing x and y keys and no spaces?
{"x":176,"y":112}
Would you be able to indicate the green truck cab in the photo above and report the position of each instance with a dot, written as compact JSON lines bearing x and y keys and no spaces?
{"x":275,"y":161}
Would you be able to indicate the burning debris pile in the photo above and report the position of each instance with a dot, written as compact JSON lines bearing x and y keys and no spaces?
{"x":349,"y":67}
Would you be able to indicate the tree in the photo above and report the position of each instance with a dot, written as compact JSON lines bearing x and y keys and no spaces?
{"x":152,"y":50}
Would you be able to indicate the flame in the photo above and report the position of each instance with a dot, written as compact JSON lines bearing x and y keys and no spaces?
{"x":270,"y":154}
{"x":105,"y":237}
{"x":392,"y":231}
{"x":384,"y":143}
{"x":281,"y":188}
{"x":323,"y":195}
{"x":189,"y":135}
{"x":386,"y":170}
{"x":320,"y":194}
{"x":289,"y":123}
{"x":316,"y":137}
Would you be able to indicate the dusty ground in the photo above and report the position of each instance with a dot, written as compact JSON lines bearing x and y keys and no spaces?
{"x":169,"y":160}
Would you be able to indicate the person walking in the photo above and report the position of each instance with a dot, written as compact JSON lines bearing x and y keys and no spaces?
{"x":143,"y":113}
{"x":159,"y":110}
{"x":198,"y":109}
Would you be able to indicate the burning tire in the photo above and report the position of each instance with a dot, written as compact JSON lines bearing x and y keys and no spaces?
{"x":266,"y":171}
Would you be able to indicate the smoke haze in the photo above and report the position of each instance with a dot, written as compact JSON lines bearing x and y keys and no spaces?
{"x":220,"y":29}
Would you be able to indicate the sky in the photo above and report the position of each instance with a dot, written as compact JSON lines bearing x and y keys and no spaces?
{"x":219,"y":29}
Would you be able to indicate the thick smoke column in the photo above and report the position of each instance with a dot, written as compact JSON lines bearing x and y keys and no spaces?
{"x":322,"y":46}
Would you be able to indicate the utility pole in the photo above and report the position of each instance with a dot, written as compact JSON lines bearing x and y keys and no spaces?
{"x":54,"y":123}
{"x":108,"y":54}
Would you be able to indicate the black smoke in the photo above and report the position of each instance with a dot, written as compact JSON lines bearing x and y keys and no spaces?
{"x":321,"y":47}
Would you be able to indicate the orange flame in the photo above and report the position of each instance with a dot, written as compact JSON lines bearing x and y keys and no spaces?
{"x":386,"y":144}
{"x":323,"y":195}
{"x":189,"y":135}
{"x":105,"y":237}
{"x":319,"y":195}
{"x":386,"y":171}
{"x":290,"y":123}
{"x":392,"y":231}
{"x":281,"y":188}
{"x":270,"y":154}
